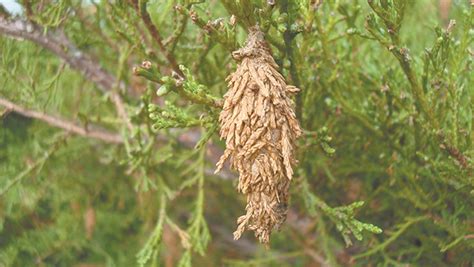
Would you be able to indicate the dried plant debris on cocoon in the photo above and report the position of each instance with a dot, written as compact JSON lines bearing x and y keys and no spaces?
{"x":259,"y":125}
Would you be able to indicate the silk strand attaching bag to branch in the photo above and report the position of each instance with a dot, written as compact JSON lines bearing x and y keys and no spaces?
{"x":259,"y":125}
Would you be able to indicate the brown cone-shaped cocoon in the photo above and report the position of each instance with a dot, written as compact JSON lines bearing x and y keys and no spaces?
{"x":259,"y":125}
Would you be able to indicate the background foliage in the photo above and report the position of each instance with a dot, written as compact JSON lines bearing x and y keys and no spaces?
{"x":386,"y":105}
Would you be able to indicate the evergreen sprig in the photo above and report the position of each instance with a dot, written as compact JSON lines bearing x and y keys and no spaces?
{"x":342,"y":217}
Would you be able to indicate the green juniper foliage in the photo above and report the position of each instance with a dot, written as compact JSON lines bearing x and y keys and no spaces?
{"x":108,"y":122}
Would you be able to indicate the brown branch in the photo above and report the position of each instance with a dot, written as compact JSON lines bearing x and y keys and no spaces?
{"x":58,"y":43}
{"x":63,"y":123}
{"x":155,"y":34}
{"x":27,"y":7}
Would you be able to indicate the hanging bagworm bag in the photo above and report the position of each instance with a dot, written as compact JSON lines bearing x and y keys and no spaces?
{"x":259,"y":126}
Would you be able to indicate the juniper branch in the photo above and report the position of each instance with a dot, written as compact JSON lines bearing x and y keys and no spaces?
{"x":177,"y":82}
{"x":63,"y":123}
{"x":212,"y":29}
{"x":155,"y":34}
{"x":403,"y":57}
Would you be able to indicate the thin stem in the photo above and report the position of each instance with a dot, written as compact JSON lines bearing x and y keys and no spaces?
{"x":155,"y":34}
{"x":288,"y":37}
{"x":38,"y":164}
{"x":402,"y":228}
